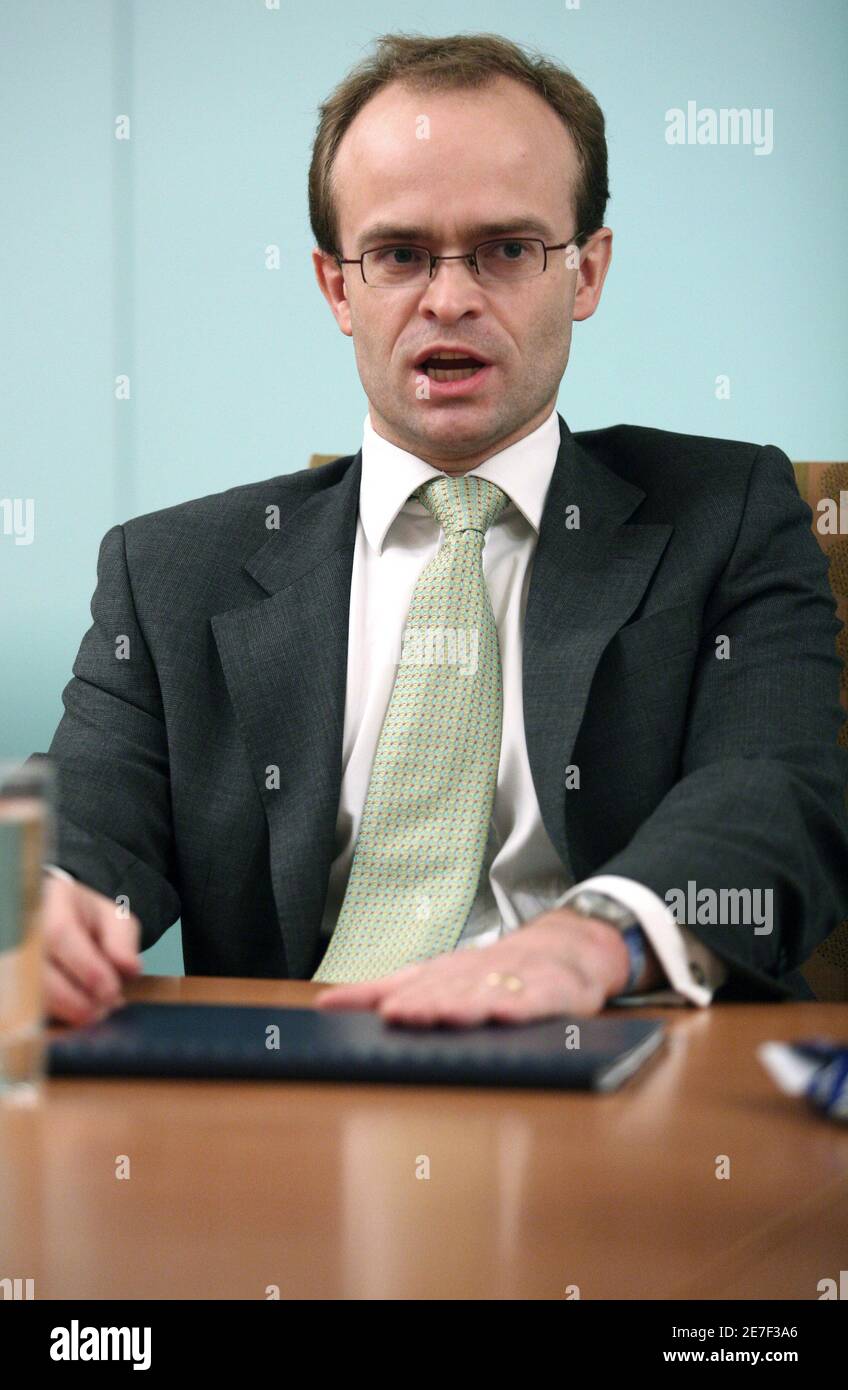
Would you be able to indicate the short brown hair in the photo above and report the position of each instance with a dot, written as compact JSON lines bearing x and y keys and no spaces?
{"x":461,"y":60}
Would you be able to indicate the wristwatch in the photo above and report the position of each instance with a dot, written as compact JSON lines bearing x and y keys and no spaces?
{"x":588,"y":903}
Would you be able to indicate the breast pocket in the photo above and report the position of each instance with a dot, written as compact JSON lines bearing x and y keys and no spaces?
{"x":656,"y":639}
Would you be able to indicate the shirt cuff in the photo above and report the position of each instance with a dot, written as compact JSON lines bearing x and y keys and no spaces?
{"x":693,"y":970}
{"x":59,"y":873}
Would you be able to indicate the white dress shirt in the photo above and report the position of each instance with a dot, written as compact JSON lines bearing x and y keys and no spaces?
{"x":522,"y":873}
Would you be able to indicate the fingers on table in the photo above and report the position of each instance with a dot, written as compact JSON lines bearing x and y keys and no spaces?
{"x":470,"y":997}
{"x":461,"y":992}
{"x":67,"y":1001}
{"x":71,"y":949}
{"x":368,"y":993}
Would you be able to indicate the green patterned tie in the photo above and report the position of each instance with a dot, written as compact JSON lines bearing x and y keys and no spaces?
{"x":417,"y":860}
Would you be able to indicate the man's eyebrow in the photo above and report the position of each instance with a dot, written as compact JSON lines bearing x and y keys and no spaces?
{"x":394,"y":232}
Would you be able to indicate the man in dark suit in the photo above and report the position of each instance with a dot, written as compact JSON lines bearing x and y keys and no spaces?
{"x":489,"y":719}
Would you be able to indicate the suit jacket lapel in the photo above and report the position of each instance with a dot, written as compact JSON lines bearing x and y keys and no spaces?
{"x":285,"y":663}
{"x":585,"y":584}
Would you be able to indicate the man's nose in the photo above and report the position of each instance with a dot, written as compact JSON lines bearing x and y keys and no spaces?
{"x":453,"y":289}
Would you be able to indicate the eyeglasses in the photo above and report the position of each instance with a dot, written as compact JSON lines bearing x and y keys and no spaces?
{"x":497,"y":262}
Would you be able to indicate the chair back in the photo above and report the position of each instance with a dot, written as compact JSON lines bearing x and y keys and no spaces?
{"x":826,"y":972}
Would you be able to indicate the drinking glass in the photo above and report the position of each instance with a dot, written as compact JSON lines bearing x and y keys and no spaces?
{"x":26,"y":837}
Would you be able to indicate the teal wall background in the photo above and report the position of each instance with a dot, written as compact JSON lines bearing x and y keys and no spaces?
{"x":146,"y":257}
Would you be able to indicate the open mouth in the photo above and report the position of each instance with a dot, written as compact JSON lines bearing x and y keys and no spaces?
{"x":450,"y":366}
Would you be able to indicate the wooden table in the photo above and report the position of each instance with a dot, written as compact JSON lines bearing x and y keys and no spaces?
{"x":236,"y":1187}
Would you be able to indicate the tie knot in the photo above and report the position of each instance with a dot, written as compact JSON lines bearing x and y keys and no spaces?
{"x":463,"y":504}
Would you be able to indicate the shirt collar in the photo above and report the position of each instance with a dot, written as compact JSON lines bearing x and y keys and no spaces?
{"x":390,"y":475}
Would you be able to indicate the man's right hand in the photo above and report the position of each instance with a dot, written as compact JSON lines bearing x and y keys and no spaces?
{"x":90,"y":950}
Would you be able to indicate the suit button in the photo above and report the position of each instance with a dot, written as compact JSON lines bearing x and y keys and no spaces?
{"x":697,"y":973}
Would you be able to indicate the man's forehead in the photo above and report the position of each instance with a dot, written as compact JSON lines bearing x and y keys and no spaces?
{"x":405,"y":145}
{"x":399,"y":113}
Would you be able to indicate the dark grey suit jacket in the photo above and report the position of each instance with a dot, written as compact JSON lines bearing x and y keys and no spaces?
{"x":726,"y":773}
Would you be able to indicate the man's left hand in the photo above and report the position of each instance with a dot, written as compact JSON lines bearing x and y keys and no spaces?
{"x":560,"y":963}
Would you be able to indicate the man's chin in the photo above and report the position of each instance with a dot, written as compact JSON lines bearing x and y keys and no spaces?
{"x":455,"y":430}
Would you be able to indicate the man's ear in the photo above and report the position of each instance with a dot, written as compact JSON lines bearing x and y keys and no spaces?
{"x":331,"y":283}
{"x":594,"y":264}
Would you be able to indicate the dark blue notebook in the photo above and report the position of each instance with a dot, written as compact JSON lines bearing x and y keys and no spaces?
{"x":225,"y":1040}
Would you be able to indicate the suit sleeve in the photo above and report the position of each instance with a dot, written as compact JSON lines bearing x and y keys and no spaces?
{"x":113,"y":817}
{"x":760,"y":802}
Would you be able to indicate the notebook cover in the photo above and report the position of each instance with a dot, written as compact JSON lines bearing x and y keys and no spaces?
{"x":237,"y":1041}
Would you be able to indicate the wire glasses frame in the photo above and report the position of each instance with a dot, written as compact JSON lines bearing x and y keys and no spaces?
{"x":471,"y":257}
